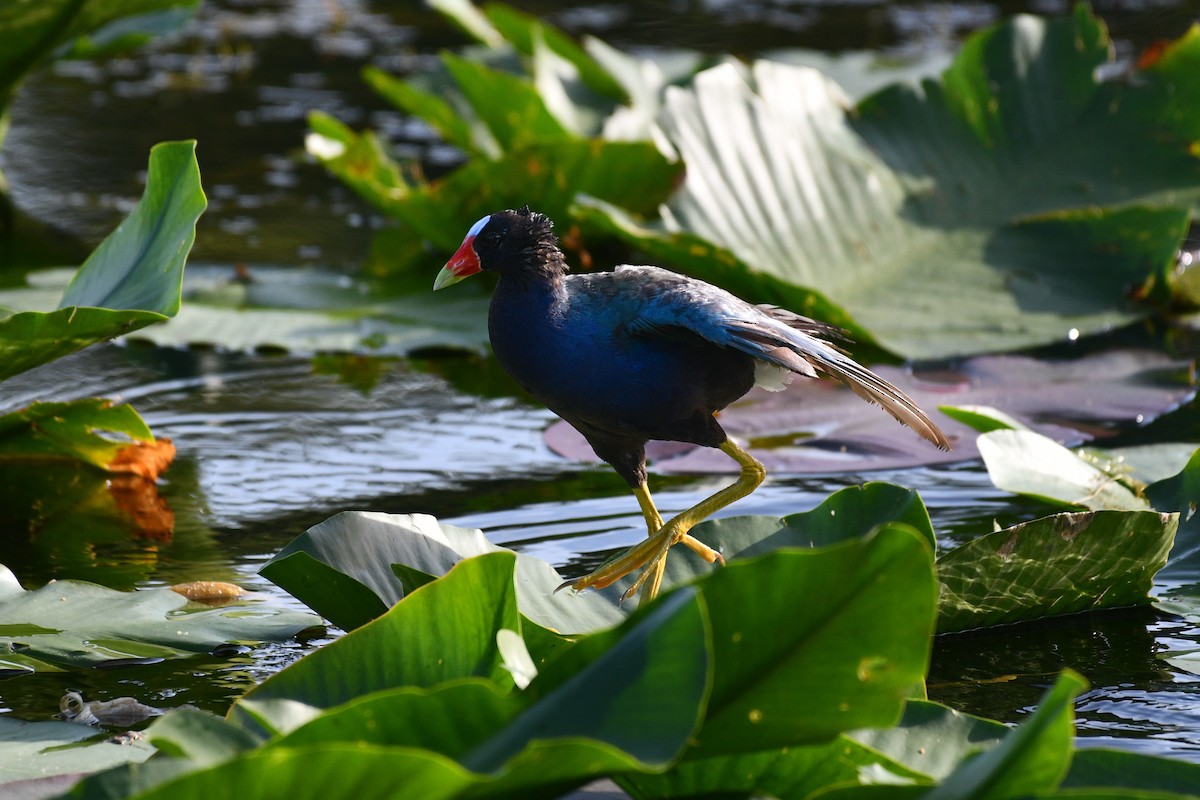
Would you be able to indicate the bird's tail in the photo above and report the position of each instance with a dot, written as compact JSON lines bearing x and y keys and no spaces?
{"x":798,"y":348}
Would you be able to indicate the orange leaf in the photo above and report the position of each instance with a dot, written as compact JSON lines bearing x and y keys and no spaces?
{"x":147,"y":459}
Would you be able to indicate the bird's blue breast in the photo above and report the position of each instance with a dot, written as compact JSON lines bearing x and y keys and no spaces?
{"x":576,"y":353}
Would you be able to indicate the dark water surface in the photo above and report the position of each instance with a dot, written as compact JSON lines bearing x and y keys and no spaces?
{"x":269,"y":445}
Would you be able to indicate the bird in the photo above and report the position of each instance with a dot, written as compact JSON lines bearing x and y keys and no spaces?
{"x":641,"y":353}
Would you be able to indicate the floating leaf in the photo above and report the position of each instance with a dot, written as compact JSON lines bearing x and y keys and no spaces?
{"x":1059,"y":564}
{"x":44,"y":749}
{"x":71,"y":623}
{"x":578,"y":728}
{"x":482,"y":593}
{"x":1024,"y":462}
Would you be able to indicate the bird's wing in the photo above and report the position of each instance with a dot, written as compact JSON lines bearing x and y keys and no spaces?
{"x":771,"y":334}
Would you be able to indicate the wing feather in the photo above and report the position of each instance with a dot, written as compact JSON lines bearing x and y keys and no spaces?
{"x":677,"y":305}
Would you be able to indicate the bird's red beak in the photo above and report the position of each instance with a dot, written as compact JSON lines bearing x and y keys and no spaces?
{"x":464,"y":262}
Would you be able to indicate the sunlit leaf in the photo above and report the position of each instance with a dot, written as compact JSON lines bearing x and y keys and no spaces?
{"x":72,"y":623}
{"x":423,"y":648}
{"x":44,"y":749}
{"x":111,"y":437}
{"x":131,"y":280}
{"x":948,"y":218}
{"x":1024,"y":462}
{"x":562,"y":734}
{"x":1059,"y":564}
{"x":859,"y":617}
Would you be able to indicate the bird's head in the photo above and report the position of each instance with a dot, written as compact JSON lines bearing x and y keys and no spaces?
{"x":508,"y":242}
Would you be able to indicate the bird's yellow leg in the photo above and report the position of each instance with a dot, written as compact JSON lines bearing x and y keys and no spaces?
{"x":651,"y":554}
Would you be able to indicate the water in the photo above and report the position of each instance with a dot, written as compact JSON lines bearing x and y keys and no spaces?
{"x":269,"y":445}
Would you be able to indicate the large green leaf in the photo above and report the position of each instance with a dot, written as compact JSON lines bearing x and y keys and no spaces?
{"x":632,"y":708}
{"x":354,"y":553}
{"x":547,"y":174}
{"x":952,"y":217}
{"x":1102,"y":768}
{"x":423,"y":647}
{"x":131,"y":280}
{"x":334,"y":769}
{"x":928,"y":743}
{"x":345,"y":567}
{"x":1033,"y":757}
{"x":1059,"y":564}
{"x":789,"y":772}
{"x":71,"y":623}
{"x":858,"y":621}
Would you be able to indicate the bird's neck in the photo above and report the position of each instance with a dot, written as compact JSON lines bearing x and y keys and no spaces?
{"x":541,"y":268}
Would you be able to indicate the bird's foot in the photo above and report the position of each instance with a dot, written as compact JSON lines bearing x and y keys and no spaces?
{"x":650,"y":556}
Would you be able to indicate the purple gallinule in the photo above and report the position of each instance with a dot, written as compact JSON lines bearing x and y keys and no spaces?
{"x":641,"y":353}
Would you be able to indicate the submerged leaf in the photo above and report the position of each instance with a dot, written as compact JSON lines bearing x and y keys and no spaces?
{"x":1059,"y":564}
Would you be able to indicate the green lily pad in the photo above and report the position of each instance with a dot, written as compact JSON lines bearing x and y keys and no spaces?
{"x":949,"y":218}
{"x":131,"y":280}
{"x":44,"y":749}
{"x":72,"y":623}
{"x":486,"y":730}
{"x":1083,"y":561}
{"x":1059,"y":564}
{"x":481,"y":592}
{"x":1025,"y":462}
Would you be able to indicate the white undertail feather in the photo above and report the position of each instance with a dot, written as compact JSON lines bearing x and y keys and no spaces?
{"x":772,"y":377}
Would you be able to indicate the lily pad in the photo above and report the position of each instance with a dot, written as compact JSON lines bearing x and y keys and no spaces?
{"x":71,"y":623}
{"x":43,"y":749}
{"x":1059,"y":564}
{"x":303,"y":311}
{"x":948,"y":218}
